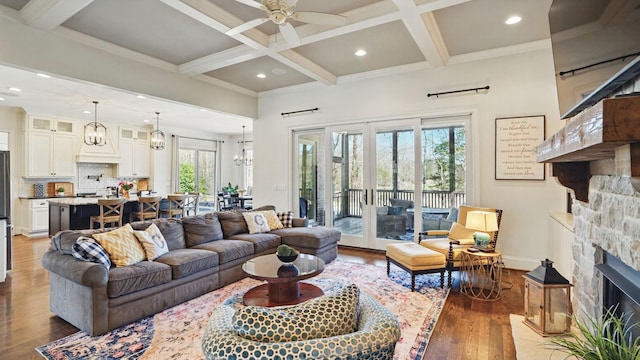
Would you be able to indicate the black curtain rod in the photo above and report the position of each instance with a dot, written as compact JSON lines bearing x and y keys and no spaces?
{"x":573,"y":71}
{"x":458,"y":91}
{"x":194,"y":138}
{"x":297,"y":112}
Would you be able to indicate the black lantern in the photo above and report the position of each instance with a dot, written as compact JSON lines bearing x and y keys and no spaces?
{"x":547,"y":300}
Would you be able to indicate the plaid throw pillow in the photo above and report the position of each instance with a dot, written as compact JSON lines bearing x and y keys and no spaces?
{"x":286,"y":218}
{"x":87,"y":249}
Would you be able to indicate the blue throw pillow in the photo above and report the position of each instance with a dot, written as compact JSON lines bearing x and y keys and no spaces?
{"x":87,"y":249}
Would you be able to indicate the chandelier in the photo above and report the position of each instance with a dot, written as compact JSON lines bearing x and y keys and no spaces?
{"x":157,"y":136}
{"x":243,"y":159}
{"x":94,"y":132}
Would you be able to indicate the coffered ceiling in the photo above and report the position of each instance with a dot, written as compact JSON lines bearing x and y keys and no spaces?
{"x":189,"y":37}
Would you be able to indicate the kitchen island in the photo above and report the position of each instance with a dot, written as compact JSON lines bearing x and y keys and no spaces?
{"x":75,"y":213}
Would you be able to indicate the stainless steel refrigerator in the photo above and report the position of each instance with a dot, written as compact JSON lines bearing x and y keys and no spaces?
{"x":5,"y":208}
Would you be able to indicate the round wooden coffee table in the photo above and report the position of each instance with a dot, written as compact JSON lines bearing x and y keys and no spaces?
{"x":283,"y":285}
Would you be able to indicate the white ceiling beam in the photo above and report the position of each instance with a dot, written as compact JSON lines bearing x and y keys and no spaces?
{"x":220,"y":59}
{"x":305,"y":66}
{"x":412,"y":20}
{"x":49,"y":14}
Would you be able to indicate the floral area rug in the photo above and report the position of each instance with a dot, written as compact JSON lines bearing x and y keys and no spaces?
{"x":176,"y":333}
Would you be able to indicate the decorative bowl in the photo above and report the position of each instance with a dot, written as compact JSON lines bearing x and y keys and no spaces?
{"x":287,"y":259}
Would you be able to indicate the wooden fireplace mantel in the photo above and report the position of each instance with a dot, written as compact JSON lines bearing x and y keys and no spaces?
{"x":593,"y":135}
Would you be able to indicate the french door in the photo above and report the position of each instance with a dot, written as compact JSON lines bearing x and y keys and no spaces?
{"x":370,"y":165}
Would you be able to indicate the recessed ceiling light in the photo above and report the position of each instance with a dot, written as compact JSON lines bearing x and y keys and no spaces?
{"x":513,"y":20}
{"x":278,"y":71}
{"x":2,"y":99}
{"x":43,"y":75}
{"x":146,"y":120}
{"x":261,"y":76}
{"x":141,"y":97}
{"x":361,"y":52}
{"x":203,"y":110}
{"x":86,"y":112}
{"x":13,"y":88}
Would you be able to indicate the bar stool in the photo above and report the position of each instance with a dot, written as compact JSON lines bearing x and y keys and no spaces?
{"x":176,"y":206}
{"x":110,"y":213}
{"x":191,"y":204}
{"x":148,"y":208}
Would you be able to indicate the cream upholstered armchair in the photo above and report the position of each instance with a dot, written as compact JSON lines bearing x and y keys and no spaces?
{"x":452,"y":242}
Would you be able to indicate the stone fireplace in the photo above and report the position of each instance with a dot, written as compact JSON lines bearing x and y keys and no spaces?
{"x":607,"y":234}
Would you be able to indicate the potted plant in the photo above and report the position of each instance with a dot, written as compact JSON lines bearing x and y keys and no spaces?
{"x":60,"y":191}
{"x":230,"y":189}
{"x":608,"y":338}
{"x":286,"y":253}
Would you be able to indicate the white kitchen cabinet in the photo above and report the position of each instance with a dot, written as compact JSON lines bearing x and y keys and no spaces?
{"x":38,"y":219}
{"x":135,"y":154}
{"x":50,"y":148}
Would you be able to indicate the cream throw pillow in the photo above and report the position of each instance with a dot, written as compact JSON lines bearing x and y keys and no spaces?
{"x":256,"y":222}
{"x":153,"y":242}
{"x":272,"y":219}
{"x":121,"y":245}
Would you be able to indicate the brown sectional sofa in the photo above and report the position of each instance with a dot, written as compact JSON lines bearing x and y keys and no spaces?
{"x":206,"y":253}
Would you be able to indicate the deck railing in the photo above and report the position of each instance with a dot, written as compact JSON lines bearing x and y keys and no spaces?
{"x":347,"y":204}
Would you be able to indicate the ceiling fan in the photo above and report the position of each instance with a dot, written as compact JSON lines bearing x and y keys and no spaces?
{"x":280,"y":12}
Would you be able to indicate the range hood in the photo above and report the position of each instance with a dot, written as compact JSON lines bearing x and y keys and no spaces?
{"x":106,"y":154}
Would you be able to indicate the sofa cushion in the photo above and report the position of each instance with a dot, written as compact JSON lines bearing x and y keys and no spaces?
{"x":322,"y":317}
{"x":308,"y":237}
{"x":228,"y":250}
{"x":256,"y":222}
{"x":88,"y":249}
{"x":184,"y":262}
{"x":232,"y":223}
{"x":286,"y":218}
{"x":171,"y":229}
{"x":140,"y":276}
{"x":201,"y":229}
{"x":121,"y":245}
{"x":261,"y":242}
{"x":152,"y":242}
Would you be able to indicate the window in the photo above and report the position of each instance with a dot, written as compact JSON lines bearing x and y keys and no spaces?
{"x":197,"y":167}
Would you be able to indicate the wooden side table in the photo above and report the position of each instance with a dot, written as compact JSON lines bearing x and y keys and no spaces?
{"x":481,"y":274}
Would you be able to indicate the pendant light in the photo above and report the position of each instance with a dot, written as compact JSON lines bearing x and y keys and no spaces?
{"x":94,"y":132}
{"x":157,"y":136}
{"x":243,"y":159}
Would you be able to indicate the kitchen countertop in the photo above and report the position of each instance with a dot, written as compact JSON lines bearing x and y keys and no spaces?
{"x":46,"y":197}
{"x":82,"y":201}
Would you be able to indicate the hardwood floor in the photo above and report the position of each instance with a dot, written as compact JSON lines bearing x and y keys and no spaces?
{"x":466,"y":329}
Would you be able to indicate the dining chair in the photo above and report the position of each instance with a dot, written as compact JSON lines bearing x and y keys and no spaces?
{"x":110,"y":213}
{"x":148,"y":208}
{"x":191,"y":204}
{"x":175,"y":206}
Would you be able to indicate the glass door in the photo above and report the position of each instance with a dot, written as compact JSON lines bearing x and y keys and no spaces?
{"x":349,"y":197}
{"x":394,"y":185}
{"x":310,"y":197}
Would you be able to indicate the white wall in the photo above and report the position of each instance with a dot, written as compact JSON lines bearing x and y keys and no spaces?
{"x":520,"y":85}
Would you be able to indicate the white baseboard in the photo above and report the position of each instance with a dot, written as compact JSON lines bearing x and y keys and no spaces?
{"x":519,"y":263}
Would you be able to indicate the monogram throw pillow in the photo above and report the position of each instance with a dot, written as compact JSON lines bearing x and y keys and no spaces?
{"x":256,"y":222}
{"x":153,"y":242}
